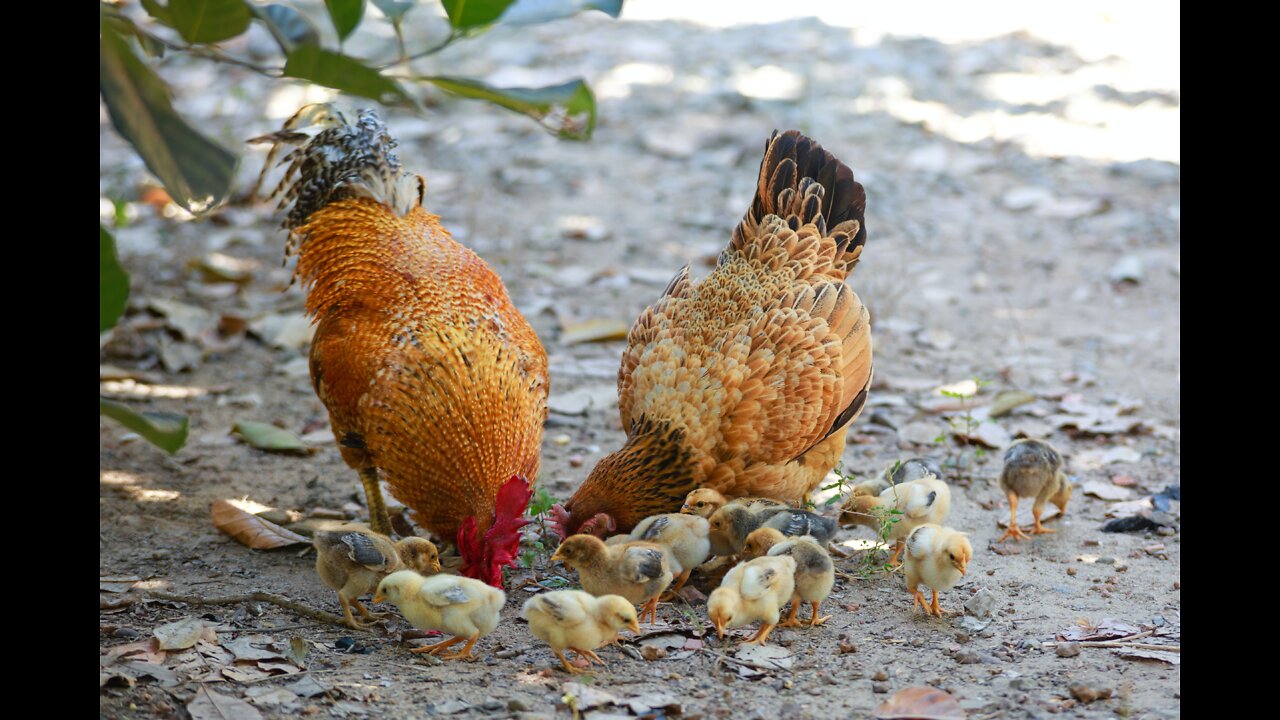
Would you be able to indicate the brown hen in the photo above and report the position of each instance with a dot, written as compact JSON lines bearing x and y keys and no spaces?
{"x":744,"y":382}
{"x":432,"y":378}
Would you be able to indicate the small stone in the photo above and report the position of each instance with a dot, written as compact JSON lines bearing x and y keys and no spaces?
{"x":981,"y":603}
{"x":917,"y":642}
{"x":1086,"y":694}
{"x":492,"y":705}
{"x":1106,"y":560}
{"x":880,"y":676}
{"x":962,"y":637}
{"x":880,"y":687}
{"x":987,"y":634}
{"x":847,"y":645}
{"x":126,"y":633}
{"x":1127,"y":269}
{"x":561,"y":439}
{"x":517,"y":705}
{"x":1067,"y":649}
{"x":968,"y":657}
{"x":508,"y":653}
{"x":576,"y":460}
{"x":1071,"y":571}
{"x":651,"y":653}
{"x":1091,"y":543}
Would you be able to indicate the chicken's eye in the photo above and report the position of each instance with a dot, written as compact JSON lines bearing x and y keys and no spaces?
{"x":702,"y":504}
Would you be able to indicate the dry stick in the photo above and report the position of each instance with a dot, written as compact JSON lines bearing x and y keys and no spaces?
{"x":1123,"y":642}
{"x":743,"y":663}
{"x":266,"y":597}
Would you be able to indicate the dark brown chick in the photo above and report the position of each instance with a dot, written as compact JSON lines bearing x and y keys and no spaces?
{"x":1033,"y":468}
{"x":638,"y":571}
{"x":354,"y":561}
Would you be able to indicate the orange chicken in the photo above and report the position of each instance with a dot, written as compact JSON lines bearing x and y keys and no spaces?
{"x":432,"y":378}
{"x":745,"y":382}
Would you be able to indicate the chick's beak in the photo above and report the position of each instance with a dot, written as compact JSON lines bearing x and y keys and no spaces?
{"x":634,"y":627}
{"x":378,"y":598}
{"x":557,"y":557}
{"x":435,"y":567}
{"x":719,"y":623}
{"x":962,"y":566}
{"x":685,"y":508}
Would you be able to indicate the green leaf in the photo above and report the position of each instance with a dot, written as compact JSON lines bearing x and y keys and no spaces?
{"x":289,"y":27}
{"x":159,"y":12}
{"x":196,"y":172}
{"x":568,"y":110}
{"x":343,"y":73}
{"x":209,"y":21}
{"x":113,"y":290}
{"x":531,"y":12}
{"x":472,"y":14}
{"x":345,"y":14}
{"x":167,"y":431}
{"x":265,"y":436}
{"x":394,"y":9}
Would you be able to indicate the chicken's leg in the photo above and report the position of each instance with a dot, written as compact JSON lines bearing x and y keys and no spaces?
{"x":433,"y":649}
{"x":762,"y":635}
{"x":815,"y":620}
{"x":673,"y":592}
{"x":897,"y":550}
{"x":569,"y":668}
{"x":1014,"y":531}
{"x":366,"y":612}
{"x":919,"y":600}
{"x":465,"y":652}
{"x":791,"y":620}
{"x":936,"y":610}
{"x":650,"y":609}
{"x":589,"y":655}
{"x":1039,"y":529}
{"x":379,"y":521}
{"x":346,"y":613}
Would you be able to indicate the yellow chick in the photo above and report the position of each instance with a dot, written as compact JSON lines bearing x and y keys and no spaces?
{"x":1033,"y":469}
{"x":897,"y":474}
{"x":705,"y":502}
{"x":352,"y":561}
{"x":927,"y":500}
{"x":578,"y":621}
{"x":937,"y":557}
{"x":815,"y":576}
{"x":684,"y":537}
{"x":467,"y":609}
{"x":753,"y":591}
{"x":759,"y":541}
{"x":638,"y":571}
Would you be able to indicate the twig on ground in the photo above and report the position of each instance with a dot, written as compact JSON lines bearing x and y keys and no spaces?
{"x":266,"y":597}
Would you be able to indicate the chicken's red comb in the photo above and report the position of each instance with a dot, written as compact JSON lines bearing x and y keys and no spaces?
{"x":501,"y":543}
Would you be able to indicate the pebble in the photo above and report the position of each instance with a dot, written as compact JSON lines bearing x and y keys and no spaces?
{"x":1067,"y":649}
{"x":1086,"y":694}
{"x":126,"y":633}
{"x":1071,"y":571}
{"x":576,"y":460}
{"x":880,"y":687}
{"x":962,"y":638}
{"x":1106,"y":560}
{"x":561,"y":439}
{"x":517,"y":705}
{"x":968,"y":657}
{"x":880,"y":676}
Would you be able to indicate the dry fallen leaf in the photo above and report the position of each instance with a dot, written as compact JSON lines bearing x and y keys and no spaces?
{"x":1142,"y":654}
{"x":1006,"y":400}
{"x":1105,"y":490}
{"x":598,"y":330}
{"x":184,"y":633}
{"x":209,"y":705}
{"x":920,"y":703}
{"x":117,"y":584}
{"x":252,"y":530}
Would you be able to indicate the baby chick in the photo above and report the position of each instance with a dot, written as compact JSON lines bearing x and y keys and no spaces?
{"x":815,"y":574}
{"x":759,"y":541}
{"x":685,"y":539}
{"x":730,"y":525}
{"x":794,"y":523}
{"x":705,"y":501}
{"x":1033,"y":469}
{"x":897,"y":474}
{"x":936,"y":557}
{"x":753,"y":591}
{"x":468,"y":609}
{"x":578,"y":621}
{"x":352,"y":562}
{"x":927,"y":500}
{"x":638,"y":571}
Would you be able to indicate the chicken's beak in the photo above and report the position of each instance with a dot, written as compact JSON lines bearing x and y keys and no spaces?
{"x":634,"y":627}
{"x":378,"y":598}
{"x":962,"y":566}
{"x":686,"y":509}
{"x":557,"y":558}
{"x":435,"y":567}
{"x":719,"y":623}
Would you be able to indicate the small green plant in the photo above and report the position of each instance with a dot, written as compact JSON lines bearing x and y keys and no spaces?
{"x":965,"y":425}
{"x":539,"y":505}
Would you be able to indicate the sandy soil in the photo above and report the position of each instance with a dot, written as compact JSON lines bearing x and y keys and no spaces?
{"x":986,"y":259}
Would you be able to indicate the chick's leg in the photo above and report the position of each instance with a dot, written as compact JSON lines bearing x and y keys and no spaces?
{"x":791,"y":620}
{"x":569,"y":668}
{"x":465,"y":652}
{"x":897,"y":550}
{"x":379,"y":521}
{"x":364,"y":611}
{"x":590,"y":655}
{"x":762,"y":635}
{"x":815,"y":620}
{"x":650,"y":609}
{"x":433,"y":649}
{"x":918,"y":599}
{"x":671,"y":593}
{"x":1036,"y":511}
{"x":1014,"y":531}
{"x":346,"y":613}
{"x":936,"y":610}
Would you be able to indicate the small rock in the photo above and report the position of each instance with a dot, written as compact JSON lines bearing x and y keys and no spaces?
{"x":880,"y":676}
{"x":1071,"y":571}
{"x":968,"y":657}
{"x":962,"y":638}
{"x":847,"y":646}
{"x":576,"y":460}
{"x":126,"y":633}
{"x":981,"y":603}
{"x":1127,"y":269}
{"x":880,"y":687}
{"x":1086,"y":694}
{"x":517,"y":705}
{"x":1067,"y":649}
{"x":561,"y":439}
{"x":1106,"y":560}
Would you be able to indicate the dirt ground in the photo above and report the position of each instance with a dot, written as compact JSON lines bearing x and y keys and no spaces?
{"x":992,"y":254}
